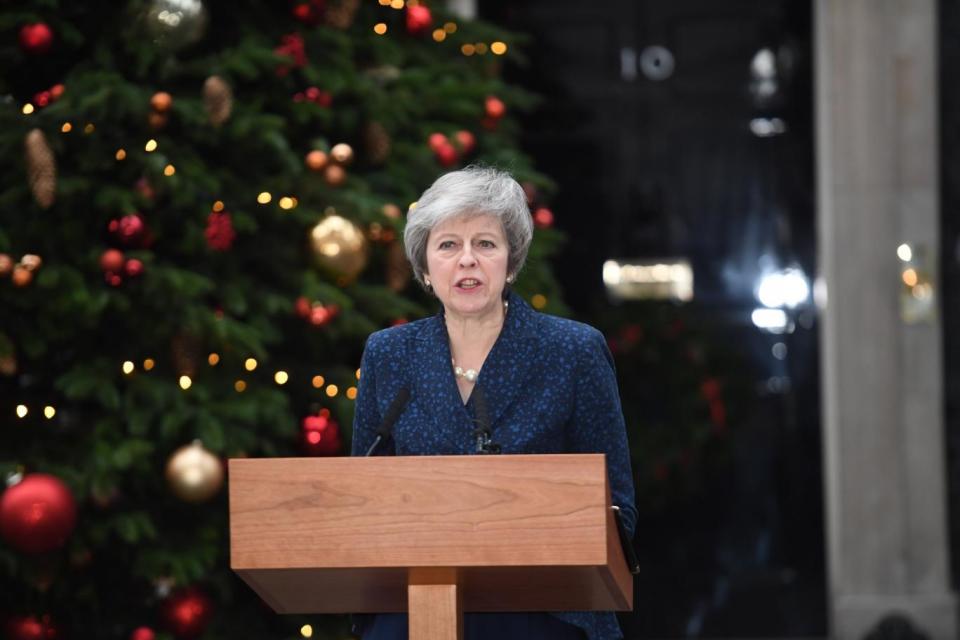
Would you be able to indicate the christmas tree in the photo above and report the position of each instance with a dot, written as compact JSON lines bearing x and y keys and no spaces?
{"x":199,"y":223}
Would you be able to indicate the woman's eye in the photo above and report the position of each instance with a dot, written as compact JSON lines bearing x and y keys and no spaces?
{"x":446,"y":244}
{"x":486,"y":244}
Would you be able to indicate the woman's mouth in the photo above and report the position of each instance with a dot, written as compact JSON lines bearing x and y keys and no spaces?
{"x":468,"y":283}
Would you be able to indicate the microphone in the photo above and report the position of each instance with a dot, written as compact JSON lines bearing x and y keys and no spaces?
{"x":393,"y":412}
{"x":482,"y":432}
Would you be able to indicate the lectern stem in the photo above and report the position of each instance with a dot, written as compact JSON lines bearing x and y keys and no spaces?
{"x":435,"y":612}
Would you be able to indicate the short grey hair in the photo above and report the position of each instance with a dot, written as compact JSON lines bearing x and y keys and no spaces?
{"x":470,"y":191}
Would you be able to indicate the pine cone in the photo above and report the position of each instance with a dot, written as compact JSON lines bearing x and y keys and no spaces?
{"x":397,"y":272}
{"x":340,"y":13}
{"x":41,"y":168}
{"x":218,"y":100}
{"x":377,"y":141}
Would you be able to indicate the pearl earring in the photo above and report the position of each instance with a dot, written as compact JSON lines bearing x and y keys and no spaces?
{"x":426,"y":281}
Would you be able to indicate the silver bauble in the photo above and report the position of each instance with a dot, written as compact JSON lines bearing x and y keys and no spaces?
{"x":174,"y":24}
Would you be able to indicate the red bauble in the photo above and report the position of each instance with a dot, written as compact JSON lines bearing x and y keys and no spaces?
{"x":36,"y":39}
{"x":31,"y":628}
{"x":186,"y":612}
{"x":321,"y":434}
{"x":543,"y":218}
{"x":42,"y":99}
{"x":219,"y":232}
{"x":133,"y":267}
{"x":419,"y":20}
{"x":436,"y":141}
{"x":128,"y":230}
{"x":446,"y":155}
{"x":466,"y":140}
{"x":143,"y":633}
{"x":291,"y":46}
{"x":56,"y":91}
{"x":318,"y":96}
{"x":302,"y":307}
{"x":38,"y":514}
{"x":494,"y":107}
{"x":112,"y":260}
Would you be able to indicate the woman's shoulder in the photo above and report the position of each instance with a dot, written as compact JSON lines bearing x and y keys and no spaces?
{"x":398,"y":335}
{"x":554,"y":329}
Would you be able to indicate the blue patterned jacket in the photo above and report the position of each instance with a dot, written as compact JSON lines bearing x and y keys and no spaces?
{"x":549,"y":385}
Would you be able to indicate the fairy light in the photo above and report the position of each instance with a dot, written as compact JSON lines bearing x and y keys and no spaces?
{"x":481,"y":48}
{"x":148,"y":364}
{"x":352,"y":393}
{"x":213,"y":359}
{"x":910,"y":277}
{"x":396,"y":4}
{"x":218,"y":206}
{"x":128,"y":367}
{"x":151,"y":146}
{"x":357,"y":374}
{"x":439,"y":35}
{"x":450,"y":27}
{"x":468,"y":49}
{"x":89,"y":128}
{"x":281,"y":377}
{"x":27,"y":109}
{"x":49,"y":412}
{"x":905,"y":252}
{"x":250,"y":364}
{"x":185,"y":382}
{"x":380,"y":28}
{"x":498,"y":48}
{"x":332,"y":390}
{"x":22,"y":411}
{"x":384,"y":3}
{"x":286,"y":202}
{"x":66,"y":128}
{"x":169,"y":170}
{"x":539,"y":301}
{"x":121,"y":154}
{"x":264,"y":197}
{"x":306,"y":631}
{"x":317,"y":382}
{"x":240,"y":386}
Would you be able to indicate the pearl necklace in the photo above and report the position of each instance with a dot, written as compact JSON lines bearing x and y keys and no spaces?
{"x":470,"y":375}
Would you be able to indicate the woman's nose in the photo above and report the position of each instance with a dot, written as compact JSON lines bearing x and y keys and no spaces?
{"x":467,"y":258}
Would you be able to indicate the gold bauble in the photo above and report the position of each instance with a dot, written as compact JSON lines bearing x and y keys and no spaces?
{"x":194,"y":474}
{"x":338,"y":245}
{"x":161,"y":101}
{"x":342,"y":153}
{"x":217,"y":100}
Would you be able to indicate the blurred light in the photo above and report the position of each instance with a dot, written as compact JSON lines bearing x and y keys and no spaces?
{"x":481,"y":48}
{"x":385,"y":3}
{"x":413,"y":205}
{"x":169,"y":170}
{"x":539,"y":301}
{"x":904,"y":252}
{"x":658,"y":280}
{"x":332,"y":390}
{"x":357,"y":374}
{"x":66,"y":128}
{"x":27,"y":109}
{"x":22,"y":411}
{"x":306,"y":631}
{"x":286,"y":202}
{"x":264,"y":197}
{"x":772,"y":320}
{"x":213,"y":359}
{"x":766,"y":127}
{"x":439,"y":35}
{"x":151,"y":145}
{"x":317,"y":382}
{"x":764,"y":65}
{"x":89,"y":128}
{"x":121,"y":154}
{"x":396,"y":4}
{"x":910,"y":277}
{"x":352,"y":393}
{"x":468,"y":49}
{"x":148,"y":364}
{"x":450,"y":27}
{"x":498,"y":48}
{"x":281,"y":377}
{"x":250,"y":364}
{"x":49,"y":412}
{"x":922,"y":291}
{"x":380,"y":28}
{"x":218,"y":206}
{"x":240,"y":386}
{"x":787,"y":288}
{"x":779,"y":350}
{"x":185,"y":382}
{"x":128,"y":367}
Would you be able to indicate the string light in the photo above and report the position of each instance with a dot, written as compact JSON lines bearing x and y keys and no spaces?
{"x":286,"y":202}
{"x":22,"y":411}
{"x":439,"y":35}
{"x":49,"y":412}
{"x":498,"y":48}
{"x":240,"y":386}
{"x":218,"y":206}
{"x":357,"y":374}
{"x":317,"y":382}
{"x":910,"y":277}
{"x":185,"y":382}
{"x":904,"y":252}
{"x":264,"y":197}
{"x":385,"y":3}
{"x":539,"y":301}
{"x":27,"y":109}
{"x":151,"y":146}
{"x":66,"y":128}
{"x":148,"y":364}
{"x":468,"y":49}
{"x":450,"y":27}
{"x":281,"y":377}
{"x":481,"y":48}
{"x":250,"y":364}
{"x":380,"y":28}
{"x":332,"y":390}
{"x":169,"y":170}
{"x":89,"y":128}
{"x":121,"y":154}
{"x":128,"y":367}
{"x":352,"y":393}
{"x":306,"y":631}
{"x":396,"y":4}
{"x":213,"y":359}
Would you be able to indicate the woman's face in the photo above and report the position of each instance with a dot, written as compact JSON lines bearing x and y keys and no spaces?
{"x":467,"y":264}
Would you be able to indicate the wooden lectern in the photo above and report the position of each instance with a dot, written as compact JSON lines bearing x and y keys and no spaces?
{"x":432,"y":535}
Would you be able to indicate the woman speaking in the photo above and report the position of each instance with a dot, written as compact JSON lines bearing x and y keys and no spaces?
{"x":535,"y":383}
